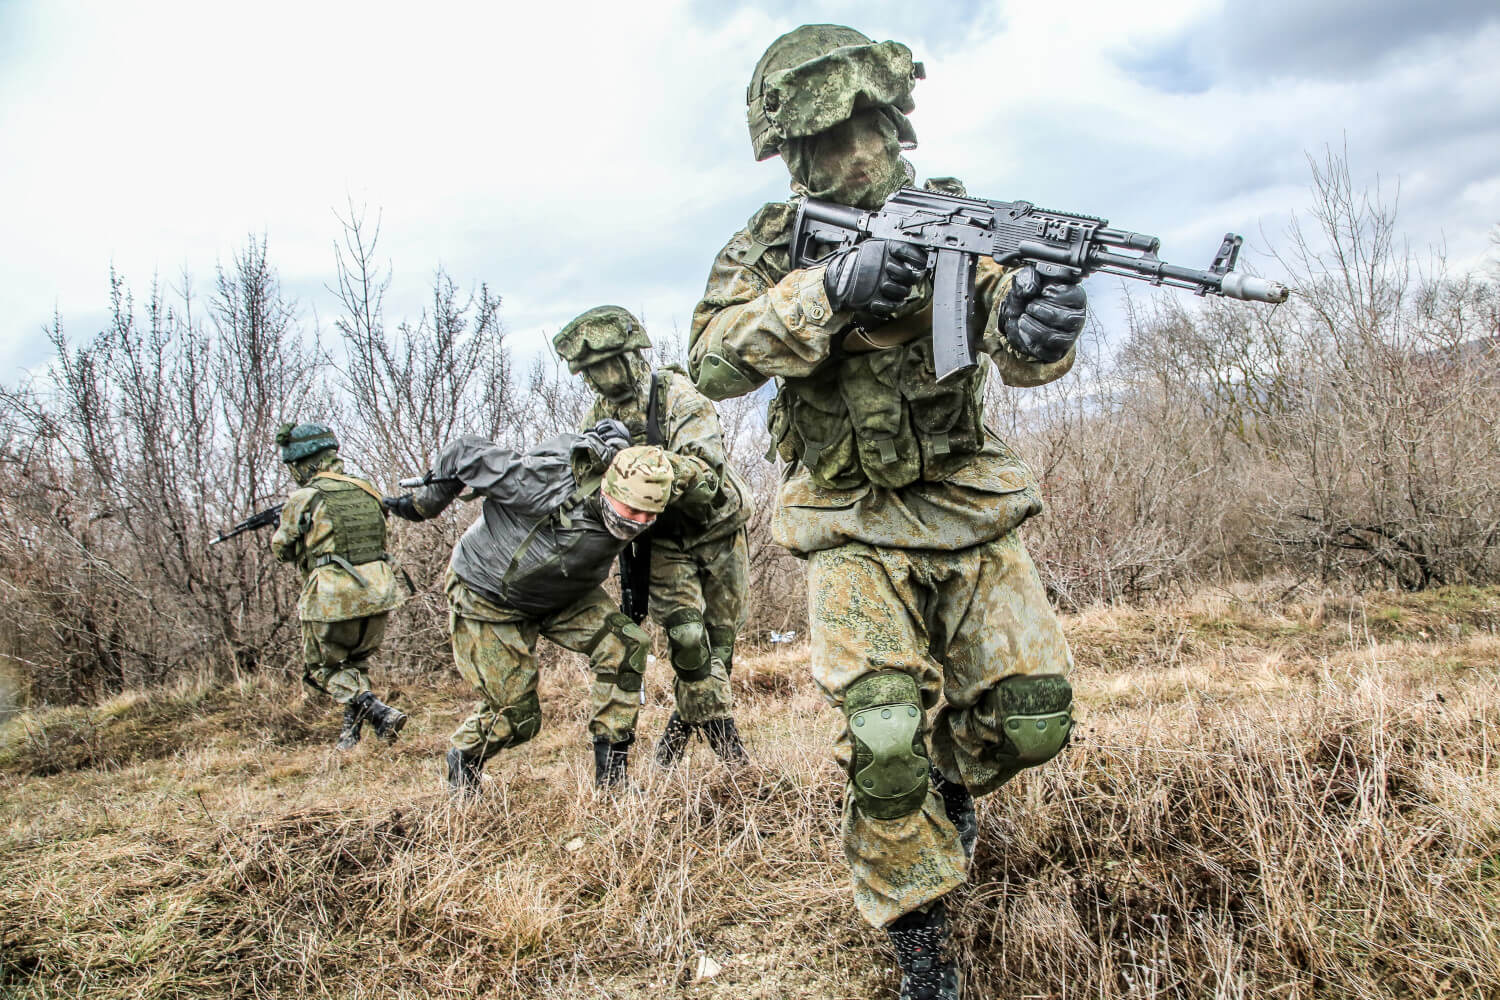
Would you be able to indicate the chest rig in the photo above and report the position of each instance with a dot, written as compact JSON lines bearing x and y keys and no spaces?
{"x":879,"y":417}
{"x":358,"y":521}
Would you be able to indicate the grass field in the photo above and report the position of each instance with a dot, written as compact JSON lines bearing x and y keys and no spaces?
{"x":1265,"y":799}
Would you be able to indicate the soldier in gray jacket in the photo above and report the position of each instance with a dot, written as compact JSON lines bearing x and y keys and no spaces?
{"x":553,"y":521}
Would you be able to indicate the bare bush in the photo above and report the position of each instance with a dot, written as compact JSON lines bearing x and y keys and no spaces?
{"x":1348,"y":436}
{"x":117,"y":466}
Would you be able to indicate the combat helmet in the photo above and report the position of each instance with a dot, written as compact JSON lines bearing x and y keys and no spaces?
{"x":600,"y":333}
{"x":299,"y":441}
{"x":815,"y":76}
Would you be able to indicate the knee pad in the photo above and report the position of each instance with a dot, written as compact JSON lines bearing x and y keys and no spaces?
{"x":1035,"y":713}
{"x":688,"y":642}
{"x":632,"y":669}
{"x":721,"y":644}
{"x":525,"y":718}
{"x":889,"y":769}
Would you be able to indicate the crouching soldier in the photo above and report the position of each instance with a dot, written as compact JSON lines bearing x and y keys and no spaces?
{"x":553,"y":520}
{"x":699,"y":559}
{"x":333,"y":528}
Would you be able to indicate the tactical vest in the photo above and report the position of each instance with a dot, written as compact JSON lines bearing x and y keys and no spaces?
{"x":358,"y":522}
{"x":879,"y":417}
{"x":874,"y":416}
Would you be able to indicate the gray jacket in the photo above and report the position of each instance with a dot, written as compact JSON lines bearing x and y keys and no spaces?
{"x":538,"y":546}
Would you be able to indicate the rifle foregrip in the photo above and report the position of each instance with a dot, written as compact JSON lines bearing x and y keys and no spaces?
{"x":1244,"y":286}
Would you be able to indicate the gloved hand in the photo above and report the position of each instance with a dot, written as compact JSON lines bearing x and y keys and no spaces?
{"x":874,"y":277}
{"x":1042,"y":317}
{"x":403,"y":507}
{"x":606,"y":438}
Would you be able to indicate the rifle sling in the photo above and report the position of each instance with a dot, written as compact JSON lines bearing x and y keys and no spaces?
{"x":653,"y":414}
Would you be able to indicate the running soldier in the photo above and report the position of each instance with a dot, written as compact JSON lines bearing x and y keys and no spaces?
{"x":333,"y":528}
{"x":904,"y":504}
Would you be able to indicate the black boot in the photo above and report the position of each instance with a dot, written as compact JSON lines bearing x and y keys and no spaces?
{"x":959,"y":805}
{"x":354,"y":721}
{"x":919,"y":939}
{"x":724,"y":737}
{"x":385,"y":720}
{"x":674,"y":741}
{"x":463,"y":773}
{"x":609,"y":761}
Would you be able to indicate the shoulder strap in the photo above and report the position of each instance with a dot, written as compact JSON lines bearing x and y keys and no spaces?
{"x":653,"y":414}
{"x":558,"y":514}
{"x":353,"y":481}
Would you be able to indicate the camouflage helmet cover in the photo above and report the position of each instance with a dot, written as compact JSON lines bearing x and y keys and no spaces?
{"x":600,"y":333}
{"x":640,"y":477}
{"x":815,"y":76}
{"x":299,"y":441}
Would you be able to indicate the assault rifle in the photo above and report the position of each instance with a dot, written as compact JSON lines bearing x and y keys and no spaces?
{"x":635,"y":578}
{"x":957,"y":231}
{"x":254,"y":522}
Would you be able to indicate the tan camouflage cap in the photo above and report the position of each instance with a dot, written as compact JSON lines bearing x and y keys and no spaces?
{"x":640,"y":477}
{"x":600,"y":333}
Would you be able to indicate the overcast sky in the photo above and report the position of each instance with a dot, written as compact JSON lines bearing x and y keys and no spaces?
{"x":572,"y":154}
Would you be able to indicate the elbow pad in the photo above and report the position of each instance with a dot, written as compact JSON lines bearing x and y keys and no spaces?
{"x":719,"y":378}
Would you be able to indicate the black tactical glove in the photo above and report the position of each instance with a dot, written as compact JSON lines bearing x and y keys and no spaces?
{"x":874,"y":277}
{"x":1042,"y":317}
{"x":403,"y":507}
{"x":605,"y":439}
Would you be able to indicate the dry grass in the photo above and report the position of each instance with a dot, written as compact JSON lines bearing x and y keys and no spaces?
{"x":1266,"y":799}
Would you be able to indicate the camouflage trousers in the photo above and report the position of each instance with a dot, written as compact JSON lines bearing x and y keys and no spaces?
{"x":956,"y":622}
{"x":494,"y":648}
{"x":335,"y":654}
{"x":711,"y":580}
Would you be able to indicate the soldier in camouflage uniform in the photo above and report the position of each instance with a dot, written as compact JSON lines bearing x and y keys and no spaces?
{"x":553,"y":520}
{"x":333,"y":528}
{"x":930,"y":628}
{"x":700,"y":562}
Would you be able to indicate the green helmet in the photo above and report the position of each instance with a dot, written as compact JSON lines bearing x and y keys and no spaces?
{"x":299,"y":441}
{"x":600,"y":333}
{"x":818,"y":75}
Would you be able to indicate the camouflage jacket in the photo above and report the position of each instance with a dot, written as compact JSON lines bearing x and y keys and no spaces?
{"x":690,"y":428}
{"x":329,"y":592}
{"x":955,"y":484}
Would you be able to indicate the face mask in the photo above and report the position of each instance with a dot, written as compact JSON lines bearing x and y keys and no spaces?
{"x":857,"y":162}
{"x":613,"y":378}
{"x":618,"y":524}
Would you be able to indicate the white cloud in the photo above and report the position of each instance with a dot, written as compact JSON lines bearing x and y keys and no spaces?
{"x":590,"y":152}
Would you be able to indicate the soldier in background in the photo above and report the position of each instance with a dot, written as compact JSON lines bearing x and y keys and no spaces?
{"x":553,"y":520}
{"x":333,"y":528}
{"x":700,"y":564}
{"x":904,"y":504}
